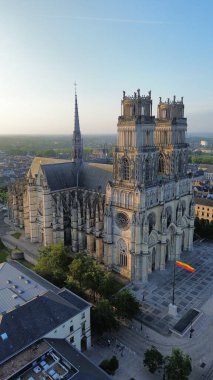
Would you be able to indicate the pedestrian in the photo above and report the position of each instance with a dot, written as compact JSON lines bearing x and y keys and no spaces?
{"x":108,"y":342}
{"x":143,"y":298}
{"x":141,"y":326}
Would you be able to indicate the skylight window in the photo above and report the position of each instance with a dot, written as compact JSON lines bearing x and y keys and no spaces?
{"x":4,"y":336}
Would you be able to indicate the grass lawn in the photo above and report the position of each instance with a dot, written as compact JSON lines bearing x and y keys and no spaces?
{"x":4,"y":252}
{"x":16,"y":235}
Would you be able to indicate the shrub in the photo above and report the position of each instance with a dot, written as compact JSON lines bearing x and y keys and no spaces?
{"x":110,"y":366}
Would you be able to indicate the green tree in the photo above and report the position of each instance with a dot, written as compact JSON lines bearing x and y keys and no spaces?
{"x":178,"y":366}
{"x":53,"y":263}
{"x":79,"y":267}
{"x":93,"y":279}
{"x":126,"y":304}
{"x":102,"y":317}
{"x":109,"y":285}
{"x":153,"y":359}
{"x":110,"y":365}
{"x":73,"y":285}
{"x":3,"y":195}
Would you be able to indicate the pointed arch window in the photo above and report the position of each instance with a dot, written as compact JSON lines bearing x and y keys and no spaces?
{"x":122,"y":250}
{"x":125,"y":168}
{"x":161,"y":164}
{"x":147,"y":170}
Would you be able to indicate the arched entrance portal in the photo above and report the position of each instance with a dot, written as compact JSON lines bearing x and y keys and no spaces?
{"x":84,"y":343}
{"x":182,"y":243}
{"x":167,"y":253}
{"x":153,"y":259}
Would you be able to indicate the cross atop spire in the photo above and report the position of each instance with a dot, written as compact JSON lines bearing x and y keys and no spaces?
{"x":75,"y":85}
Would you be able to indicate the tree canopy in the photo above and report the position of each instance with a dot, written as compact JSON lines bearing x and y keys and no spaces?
{"x":204,"y":228}
{"x":153,"y":359}
{"x":53,"y":263}
{"x":126,"y":304}
{"x":178,"y":366}
{"x":102,"y":317}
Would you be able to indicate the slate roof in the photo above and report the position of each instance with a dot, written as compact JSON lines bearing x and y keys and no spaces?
{"x":32,"y":321}
{"x":95,"y":176}
{"x":37,"y":161}
{"x":87,"y":370}
{"x":73,"y":299}
{"x":92,"y":176}
{"x":60,"y":176}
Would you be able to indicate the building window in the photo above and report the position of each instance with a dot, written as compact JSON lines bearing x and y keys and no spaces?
{"x":123,"y":259}
{"x":71,"y":328}
{"x":72,"y":339}
{"x":122,"y":220}
{"x":202,"y":213}
{"x":122,"y":251}
{"x":83,"y":328}
{"x":83,"y":315}
{"x":125,"y":168}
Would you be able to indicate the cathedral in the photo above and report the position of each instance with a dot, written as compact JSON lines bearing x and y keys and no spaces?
{"x":134,"y":215}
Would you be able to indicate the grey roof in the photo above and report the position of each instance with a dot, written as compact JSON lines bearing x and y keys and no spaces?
{"x":32,"y":321}
{"x":79,"y":302}
{"x":60,"y":176}
{"x":16,"y":287}
{"x":87,"y":370}
{"x":33,"y":276}
{"x":95,"y":176}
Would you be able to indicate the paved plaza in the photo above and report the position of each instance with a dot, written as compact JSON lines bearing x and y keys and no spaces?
{"x":192,"y":290}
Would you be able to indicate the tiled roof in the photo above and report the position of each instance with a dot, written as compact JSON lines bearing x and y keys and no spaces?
{"x":204,"y":201}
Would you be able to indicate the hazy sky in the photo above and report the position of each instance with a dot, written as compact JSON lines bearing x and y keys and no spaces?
{"x":106,"y":46}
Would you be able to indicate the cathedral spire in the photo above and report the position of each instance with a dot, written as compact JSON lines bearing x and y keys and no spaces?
{"x":77,"y":140}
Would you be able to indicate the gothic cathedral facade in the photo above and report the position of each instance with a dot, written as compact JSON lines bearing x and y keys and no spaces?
{"x":134,"y":215}
{"x":149,"y":207}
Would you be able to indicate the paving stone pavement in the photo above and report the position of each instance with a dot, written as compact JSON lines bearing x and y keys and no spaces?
{"x":192,"y":290}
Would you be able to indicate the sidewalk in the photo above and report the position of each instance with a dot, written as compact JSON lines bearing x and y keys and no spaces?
{"x":32,"y":249}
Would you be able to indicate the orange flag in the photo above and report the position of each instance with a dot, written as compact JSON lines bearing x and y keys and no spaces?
{"x":185,"y":266}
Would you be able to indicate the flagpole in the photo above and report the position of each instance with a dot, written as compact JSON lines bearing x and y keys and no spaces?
{"x":173,"y":290}
{"x":172,"y":307}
